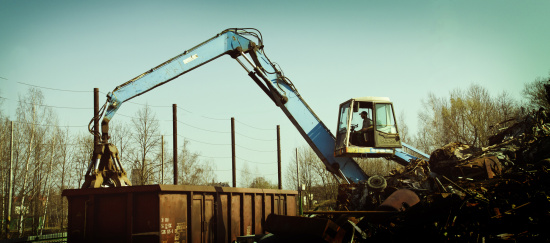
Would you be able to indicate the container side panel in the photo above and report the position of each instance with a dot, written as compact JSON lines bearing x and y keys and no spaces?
{"x":276,"y":205}
{"x":282,"y":203}
{"x":222,"y":215}
{"x":196,"y":219}
{"x":172,"y":214}
{"x":291,"y":205}
{"x":76,"y":217}
{"x":145,"y":217}
{"x":110,"y":218}
{"x":173,"y":218}
{"x":258,"y":214}
{"x":235,"y":216}
{"x":268,"y":205}
{"x":247,"y":214}
{"x":208,"y":218}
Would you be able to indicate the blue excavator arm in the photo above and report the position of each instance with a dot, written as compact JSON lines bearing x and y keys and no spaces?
{"x":251,"y":56}
{"x":227,"y":42}
{"x":271,"y":80}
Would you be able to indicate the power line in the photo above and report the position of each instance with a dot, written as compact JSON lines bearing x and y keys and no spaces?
{"x":131,"y":102}
{"x":185,"y":110}
{"x":155,"y":106}
{"x":261,"y":151}
{"x":50,"y":106}
{"x":221,"y":170}
{"x":219,"y":144}
{"x":215,"y":144}
{"x":201,"y":128}
{"x":265,"y":129}
{"x":49,"y":144}
{"x":257,"y":139}
{"x":42,"y":87}
{"x":227,"y":157}
{"x":211,"y":118}
{"x":210,"y":157}
{"x":131,"y":117}
{"x":257,"y":162}
{"x":208,"y":130}
{"x":254,"y":173}
{"x":64,"y":90}
{"x":46,"y":125}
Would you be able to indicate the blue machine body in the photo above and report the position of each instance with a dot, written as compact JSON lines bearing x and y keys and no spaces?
{"x":279,"y":88}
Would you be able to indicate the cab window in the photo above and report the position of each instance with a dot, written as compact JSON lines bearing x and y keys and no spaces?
{"x":344,"y":111}
{"x":385,"y":121}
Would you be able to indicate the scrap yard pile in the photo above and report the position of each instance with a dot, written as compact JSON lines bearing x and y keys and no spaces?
{"x":467,"y":194}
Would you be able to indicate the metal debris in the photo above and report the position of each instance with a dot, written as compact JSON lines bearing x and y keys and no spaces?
{"x":462,"y":194}
{"x":465,"y":194}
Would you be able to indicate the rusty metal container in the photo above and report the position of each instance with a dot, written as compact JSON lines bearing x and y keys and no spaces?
{"x":172,"y":213}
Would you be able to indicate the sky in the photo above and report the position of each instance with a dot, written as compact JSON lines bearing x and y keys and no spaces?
{"x":331,"y":50}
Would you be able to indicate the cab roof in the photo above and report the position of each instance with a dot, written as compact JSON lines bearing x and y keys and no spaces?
{"x":372,"y":98}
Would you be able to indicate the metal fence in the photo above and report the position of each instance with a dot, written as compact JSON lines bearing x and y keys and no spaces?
{"x":57,"y":237}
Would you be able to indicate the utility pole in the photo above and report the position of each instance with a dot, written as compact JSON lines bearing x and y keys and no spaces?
{"x":300,"y":207}
{"x":175,"y":139}
{"x":96,"y":117}
{"x":162,"y":160}
{"x":233,"y":157}
{"x":279,"y":156}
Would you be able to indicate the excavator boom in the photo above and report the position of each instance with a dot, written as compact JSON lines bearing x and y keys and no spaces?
{"x":270,"y":79}
{"x":251,"y":56}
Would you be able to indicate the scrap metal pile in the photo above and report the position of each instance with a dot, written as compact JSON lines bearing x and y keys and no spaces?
{"x":467,"y":194}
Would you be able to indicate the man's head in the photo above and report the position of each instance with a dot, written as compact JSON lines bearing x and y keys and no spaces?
{"x":363,"y":114}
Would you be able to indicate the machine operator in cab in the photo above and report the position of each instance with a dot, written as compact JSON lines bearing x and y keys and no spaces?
{"x":364,"y":135}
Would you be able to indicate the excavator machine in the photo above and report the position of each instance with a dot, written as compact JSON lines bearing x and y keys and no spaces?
{"x":380,"y":139}
{"x":366,"y":127}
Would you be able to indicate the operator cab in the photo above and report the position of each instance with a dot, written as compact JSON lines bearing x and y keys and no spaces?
{"x":366,"y":128}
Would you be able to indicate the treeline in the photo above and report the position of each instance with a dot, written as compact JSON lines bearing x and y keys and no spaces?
{"x":47,"y":158}
{"x":468,"y":116}
{"x":472,"y":115}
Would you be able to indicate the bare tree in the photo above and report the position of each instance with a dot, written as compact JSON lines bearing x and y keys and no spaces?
{"x":5,"y":136}
{"x":246,"y":176}
{"x":327,"y":181}
{"x":65,"y":154}
{"x":402,"y":126}
{"x":377,"y":166}
{"x":536,"y":95}
{"x":162,"y":156}
{"x":466,"y":117}
{"x":147,"y":138}
{"x":303,"y":161}
{"x":307,"y":160}
{"x":430,"y":124}
{"x":46,"y":192}
{"x":120,"y":136}
{"x":37,"y":149}
{"x":84,"y":150}
{"x":192,"y":170}
{"x":33,"y":121}
{"x":262,"y":183}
